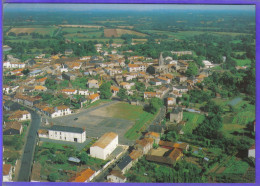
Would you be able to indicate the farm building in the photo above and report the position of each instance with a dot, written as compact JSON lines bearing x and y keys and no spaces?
{"x":104,"y":146}
{"x":125,"y":164}
{"x":65,"y":133}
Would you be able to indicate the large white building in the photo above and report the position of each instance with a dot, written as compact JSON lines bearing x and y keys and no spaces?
{"x":65,"y":133}
{"x":104,"y":146}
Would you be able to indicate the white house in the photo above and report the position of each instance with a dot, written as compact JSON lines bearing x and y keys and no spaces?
{"x":93,"y":83}
{"x":126,"y":85}
{"x":20,"y":115}
{"x":104,"y":146}
{"x":62,"y":110}
{"x":171,"y":101}
{"x":7,"y":173}
{"x":180,"y":89}
{"x":251,"y":151}
{"x":69,"y":91}
{"x":152,"y":95}
{"x":83,"y":92}
{"x":116,"y":176}
{"x":94,"y":97}
{"x":208,"y":64}
{"x":6,"y":89}
{"x":64,"y":68}
{"x":66,"y":133}
{"x":8,"y":64}
{"x":164,"y":80}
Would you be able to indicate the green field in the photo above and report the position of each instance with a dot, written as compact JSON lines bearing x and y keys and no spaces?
{"x":243,"y":62}
{"x":133,"y":113}
{"x":185,"y":34}
{"x":192,"y":121}
{"x":76,"y":29}
{"x":83,"y":35}
{"x":236,"y":166}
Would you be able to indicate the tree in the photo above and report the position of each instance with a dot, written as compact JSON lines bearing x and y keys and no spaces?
{"x":53,"y":177}
{"x":51,"y":84}
{"x":60,"y":158}
{"x":122,"y":94}
{"x":26,"y":71}
{"x":192,"y":70}
{"x":83,"y":157}
{"x":154,"y":105}
{"x":105,"y":92}
{"x":150,"y":70}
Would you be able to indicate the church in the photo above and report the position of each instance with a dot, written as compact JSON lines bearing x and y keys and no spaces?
{"x":162,"y":68}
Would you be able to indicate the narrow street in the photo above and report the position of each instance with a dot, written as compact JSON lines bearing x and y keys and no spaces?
{"x":27,"y":157}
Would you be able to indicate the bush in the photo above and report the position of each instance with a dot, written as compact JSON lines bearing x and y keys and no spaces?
{"x":53,"y":177}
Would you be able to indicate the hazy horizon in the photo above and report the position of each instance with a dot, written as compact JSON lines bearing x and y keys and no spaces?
{"x":122,"y":7}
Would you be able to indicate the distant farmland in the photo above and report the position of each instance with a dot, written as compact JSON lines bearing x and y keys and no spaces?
{"x":82,"y":26}
{"x":120,"y":32}
{"x":48,"y":31}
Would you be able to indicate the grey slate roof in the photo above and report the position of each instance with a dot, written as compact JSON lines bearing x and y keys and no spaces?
{"x":66,"y":129}
{"x":124,"y":162}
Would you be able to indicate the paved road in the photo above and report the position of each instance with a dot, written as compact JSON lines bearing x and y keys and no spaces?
{"x":27,"y":158}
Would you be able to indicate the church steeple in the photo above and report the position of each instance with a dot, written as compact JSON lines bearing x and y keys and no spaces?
{"x":161,"y":60}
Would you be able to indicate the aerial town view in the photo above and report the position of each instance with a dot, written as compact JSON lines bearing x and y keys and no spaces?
{"x":128,"y":93}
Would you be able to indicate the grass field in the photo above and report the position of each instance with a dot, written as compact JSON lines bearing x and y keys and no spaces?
{"x":193,"y":119}
{"x":243,"y":62}
{"x":185,"y":34}
{"x":133,"y":113}
{"x":83,"y":35}
{"x":76,"y":29}
{"x":236,"y":166}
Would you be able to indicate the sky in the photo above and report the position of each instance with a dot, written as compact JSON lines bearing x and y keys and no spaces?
{"x":138,"y":7}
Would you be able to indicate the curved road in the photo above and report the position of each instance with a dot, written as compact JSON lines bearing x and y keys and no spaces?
{"x":27,"y":158}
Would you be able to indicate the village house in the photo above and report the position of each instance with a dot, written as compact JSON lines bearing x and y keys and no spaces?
{"x":68,"y":76}
{"x":54,"y":112}
{"x":180,"y":53}
{"x":43,"y":133}
{"x":26,"y":100}
{"x":154,"y":135}
{"x":158,"y":128}
{"x":68,"y":52}
{"x":135,"y":155}
{"x":155,"y":82}
{"x":251,"y":151}
{"x":93,"y":83}
{"x":20,"y":115}
{"x":180,"y":89}
{"x":208,"y":64}
{"x":152,"y":95}
{"x":40,"y":88}
{"x":104,"y":146}
{"x":127,"y":85}
{"x":84,"y":176}
{"x":181,"y":79}
{"x":8,"y":64}
{"x":182,"y":66}
{"x":164,"y":80}
{"x":144,"y":145}
{"x":12,"y":127}
{"x":41,"y":81}
{"x":175,"y":155}
{"x":67,"y":133}
{"x":35,"y":73}
{"x":69,"y":91}
{"x":7,"y":173}
{"x":11,"y":106}
{"x":83,"y":92}
{"x":93,"y":97}
{"x":114,"y":90}
{"x":116,"y":176}
{"x":6,"y":89}
{"x":17,"y":72}
{"x":171,"y":101}
{"x":125,"y":164}
{"x":176,"y":115}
